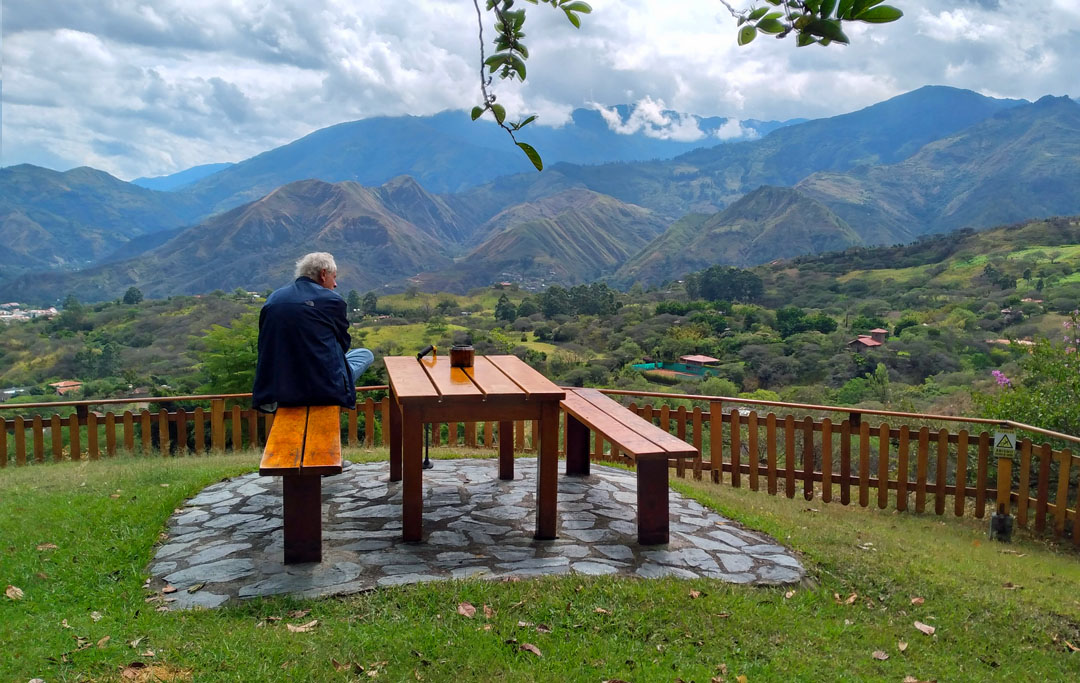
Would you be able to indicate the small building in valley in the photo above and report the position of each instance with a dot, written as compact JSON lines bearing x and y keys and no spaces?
{"x":66,"y":386}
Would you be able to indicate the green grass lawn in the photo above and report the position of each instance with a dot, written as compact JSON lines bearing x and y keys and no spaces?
{"x":999,"y":612}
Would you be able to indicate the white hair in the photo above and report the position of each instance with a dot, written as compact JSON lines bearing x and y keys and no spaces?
{"x":310,"y":265}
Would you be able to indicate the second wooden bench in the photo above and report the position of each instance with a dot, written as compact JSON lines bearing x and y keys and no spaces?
{"x":304,"y":444}
{"x":649,"y":446}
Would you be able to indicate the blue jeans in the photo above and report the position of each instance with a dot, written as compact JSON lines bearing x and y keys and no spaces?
{"x":359,"y":360}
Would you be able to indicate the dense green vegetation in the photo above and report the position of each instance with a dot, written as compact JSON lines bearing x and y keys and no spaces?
{"x":950,"y":305}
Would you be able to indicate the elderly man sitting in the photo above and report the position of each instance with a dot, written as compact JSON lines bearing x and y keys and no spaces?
{"x":304,"y":355}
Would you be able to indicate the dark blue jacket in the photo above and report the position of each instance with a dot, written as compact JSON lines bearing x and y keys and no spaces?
{"x":303,"y":337}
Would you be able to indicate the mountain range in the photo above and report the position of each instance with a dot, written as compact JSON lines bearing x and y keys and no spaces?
{"x":932,"y":160}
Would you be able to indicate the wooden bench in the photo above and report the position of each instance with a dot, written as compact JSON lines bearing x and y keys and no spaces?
{"x":304,"y":445}
{"x":649,"y":446}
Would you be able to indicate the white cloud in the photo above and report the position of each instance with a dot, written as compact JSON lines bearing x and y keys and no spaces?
{"x":651,"y":118}
{"x":732,"y":129}
{"x":146,"y":87}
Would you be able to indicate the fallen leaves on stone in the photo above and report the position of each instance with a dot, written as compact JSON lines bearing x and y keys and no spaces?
{"x":303,"y":628}
{"x":925,"y":628}
{"x":195,"y":587}
{"x":168,"y":589}
{"x":13,"y":593}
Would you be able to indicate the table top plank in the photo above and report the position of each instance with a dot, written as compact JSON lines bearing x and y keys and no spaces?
{"x":532,"y":382}
{"x":450,"y":382}
{"x":322,"y":448}
{"x":409,"y":380}
{"x":285,"y":445}
{"x":492,"y":381}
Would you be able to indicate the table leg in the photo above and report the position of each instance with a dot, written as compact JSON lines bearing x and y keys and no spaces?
{"x":506,"y":451}
{"x":395,"y":437}
{"x":412,"y":489}
{"x":547,"y":471}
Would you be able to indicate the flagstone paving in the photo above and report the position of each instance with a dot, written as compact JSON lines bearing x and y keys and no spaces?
{"x":226,"y":543}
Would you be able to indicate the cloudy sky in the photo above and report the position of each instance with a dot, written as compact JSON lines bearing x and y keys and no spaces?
{"x":149,"y":87}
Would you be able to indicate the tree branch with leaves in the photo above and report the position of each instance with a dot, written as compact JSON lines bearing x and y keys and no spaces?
{"x":810,"y":21}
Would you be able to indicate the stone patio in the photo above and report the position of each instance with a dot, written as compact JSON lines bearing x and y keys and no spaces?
{"x":226,"y":543}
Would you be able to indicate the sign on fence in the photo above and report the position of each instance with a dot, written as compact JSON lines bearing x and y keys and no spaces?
{"x":1005,"y":444}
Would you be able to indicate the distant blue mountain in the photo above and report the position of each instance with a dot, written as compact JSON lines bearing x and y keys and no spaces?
{"x":181,"y":179}
{"x":448,"y":152}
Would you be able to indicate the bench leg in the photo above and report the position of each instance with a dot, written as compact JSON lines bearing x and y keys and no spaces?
{"x":506,"y":451}
{"x":303,"y":518}
{"x":577,"y":447}
{"x":652,"y":501}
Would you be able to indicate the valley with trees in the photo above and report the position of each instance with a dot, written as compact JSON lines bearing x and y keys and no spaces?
{"x":960,"y":311}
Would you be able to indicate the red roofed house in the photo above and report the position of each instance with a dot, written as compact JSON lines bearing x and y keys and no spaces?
{"x":864,"y":341}
{"x":66,"y":387}
{"x":878,"y":334}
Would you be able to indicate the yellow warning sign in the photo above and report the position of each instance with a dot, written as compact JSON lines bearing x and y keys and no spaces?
{"x":1005,"y":444}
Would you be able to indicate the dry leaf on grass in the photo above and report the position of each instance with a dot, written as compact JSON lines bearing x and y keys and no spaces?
{"x":303,"y":628}
{"x":296,"y":613}
{"x":529,"y":647}
{"x":64,"y":624}
{"x":13,"y":593}
{"x":925,"y":628}
{"x":601,"y":610}
{"x":95,"y":616}
{"x":902,"y":646}
{"x":47,"y":546}
{"x":1010,"y":586}
{"x":694,"y":595}
{"x":103,"y":642}
{"x":918,"y":601}
{"x":135,"y":643}
{"x":525,"y":624}
{"x":741,"y":678}
{"x":1072,"y":647}
{"x":147,"y":653}
{"x":543,"y":628}
{"x":466,"y":609}
{"x":789,"y":595}
{"x":880,"y":655}
{"x":488,"y":612}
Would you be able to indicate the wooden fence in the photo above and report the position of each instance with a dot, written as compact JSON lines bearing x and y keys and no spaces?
{"x":902,"y":465}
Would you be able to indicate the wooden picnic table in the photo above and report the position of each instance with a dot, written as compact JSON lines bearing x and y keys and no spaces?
{"x":499,"y":389}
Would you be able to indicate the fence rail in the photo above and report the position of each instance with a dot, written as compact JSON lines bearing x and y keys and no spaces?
{"x":924,"y":463}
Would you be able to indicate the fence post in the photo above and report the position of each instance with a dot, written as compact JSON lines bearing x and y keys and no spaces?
{"x":217,"y":424}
